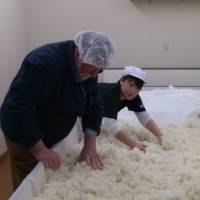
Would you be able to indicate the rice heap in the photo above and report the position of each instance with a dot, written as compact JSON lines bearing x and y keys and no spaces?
{"x":167,"y":172}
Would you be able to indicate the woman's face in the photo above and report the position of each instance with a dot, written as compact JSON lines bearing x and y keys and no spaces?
{"x":128,"y":89}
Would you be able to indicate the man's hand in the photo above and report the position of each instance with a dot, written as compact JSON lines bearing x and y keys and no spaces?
{"x":48,"y":157}
{"x":89,"y":153}
{"x":140,"y":146}
{"x":160,"y":140}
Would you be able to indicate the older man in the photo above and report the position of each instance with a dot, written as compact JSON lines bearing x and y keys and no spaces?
{"x":55,"y":84}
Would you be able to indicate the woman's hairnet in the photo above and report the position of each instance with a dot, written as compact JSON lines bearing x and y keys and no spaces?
{"x":95,"y":48}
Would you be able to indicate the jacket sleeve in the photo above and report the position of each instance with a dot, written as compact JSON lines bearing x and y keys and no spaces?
{"x":92,"y":118}
{"x":30,"y":87}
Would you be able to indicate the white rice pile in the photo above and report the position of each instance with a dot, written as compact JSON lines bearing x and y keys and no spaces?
{"x":169,"y":172}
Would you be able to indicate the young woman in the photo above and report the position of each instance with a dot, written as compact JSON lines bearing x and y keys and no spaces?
{"x":125,"y":93}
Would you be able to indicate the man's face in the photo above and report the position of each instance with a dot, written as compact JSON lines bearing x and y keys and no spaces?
{"x":87,"y":71}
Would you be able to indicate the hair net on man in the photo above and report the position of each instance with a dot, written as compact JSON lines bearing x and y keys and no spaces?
{"x":95,"y":48}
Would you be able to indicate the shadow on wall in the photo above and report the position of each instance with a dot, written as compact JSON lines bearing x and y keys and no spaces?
{"x":152,"y":4}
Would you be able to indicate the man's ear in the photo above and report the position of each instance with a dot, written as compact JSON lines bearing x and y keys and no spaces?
{"x":76,"y":53}
{"x":77,"y":57}
{"x":121,"y":81}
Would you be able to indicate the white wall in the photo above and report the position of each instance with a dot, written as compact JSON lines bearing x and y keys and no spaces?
{"x":12,"y":45}
{"x":159,"y":77}
{"x":149,"y":33}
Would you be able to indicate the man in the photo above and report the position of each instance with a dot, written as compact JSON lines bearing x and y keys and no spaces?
{"x":125,"y":93}
{"x":55,"y":84}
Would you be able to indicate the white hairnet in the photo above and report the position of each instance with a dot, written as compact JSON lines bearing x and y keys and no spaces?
{"x":95,"y":48}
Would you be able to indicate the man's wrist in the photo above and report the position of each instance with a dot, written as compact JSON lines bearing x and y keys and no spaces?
{"x":89,"y":131}
{"x":37,"y":148}
{"x":90,"y":140}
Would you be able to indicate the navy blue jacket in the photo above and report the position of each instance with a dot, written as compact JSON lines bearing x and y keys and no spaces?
{"x":45,"y":98}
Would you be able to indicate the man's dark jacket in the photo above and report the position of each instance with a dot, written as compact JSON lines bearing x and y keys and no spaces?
{"x":46,"y":97}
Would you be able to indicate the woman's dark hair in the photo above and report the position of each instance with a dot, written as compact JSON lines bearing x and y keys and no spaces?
{"x":138,"y":82}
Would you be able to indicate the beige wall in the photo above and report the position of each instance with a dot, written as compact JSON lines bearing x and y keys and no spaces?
{"x":12,"y":45}
{"x":160,"y":77}
{"x":150,"y":33}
